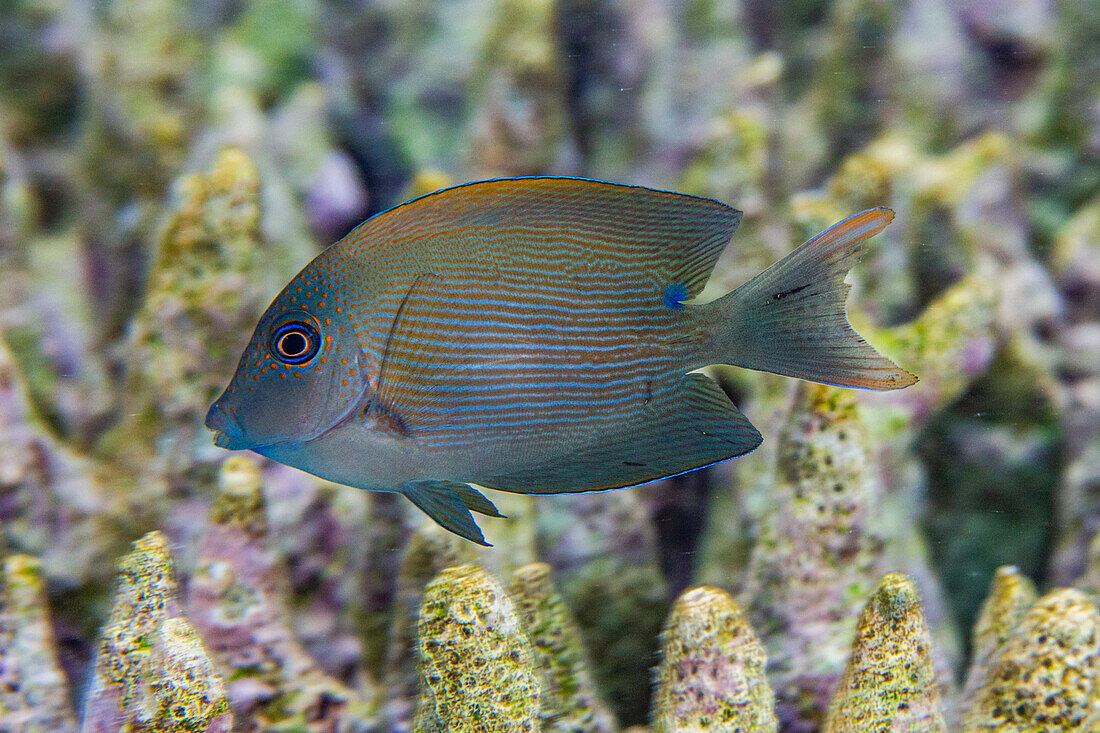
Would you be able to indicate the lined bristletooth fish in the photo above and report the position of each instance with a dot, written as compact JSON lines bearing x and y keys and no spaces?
{"x":531,"y":335}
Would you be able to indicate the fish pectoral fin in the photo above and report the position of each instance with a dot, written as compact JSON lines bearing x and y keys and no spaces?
{"x":443,"y":502}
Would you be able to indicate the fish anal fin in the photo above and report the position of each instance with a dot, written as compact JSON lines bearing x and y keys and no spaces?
{"x":444,"y":504}
{"x":688,"y":425}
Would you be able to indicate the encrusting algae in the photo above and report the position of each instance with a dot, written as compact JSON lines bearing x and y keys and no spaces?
{"x":477,"y":663}
{"x":889,"y":683}
{"x":711,"y":676}
{"x":152,"y":672}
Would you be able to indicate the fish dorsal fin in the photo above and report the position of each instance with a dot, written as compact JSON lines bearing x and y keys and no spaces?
{"x":692,"y":425}
{"x":558,"y":227}
{"x":449,"y":504}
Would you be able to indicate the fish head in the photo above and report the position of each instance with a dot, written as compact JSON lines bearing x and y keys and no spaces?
{"x":302,"y":374}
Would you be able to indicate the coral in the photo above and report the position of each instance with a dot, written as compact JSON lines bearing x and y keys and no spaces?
{"x":429,"y":551}
{"x":141,"y":63}
{"x":1010,"y":597}
{"x":1064,"y":122}
{"x":56,"y":502}
{"x":1076,"y":266}
{"x":165,"y":167}
{"x":203,"y":296}
{"x":854,"y":71}
{"x":34,"y":693}
{"x":929,"y":44}
{"x":386,"y":534}
{"x":406,"y":110}
{"x":711,"y":674}
{"x":950,"y":345}
{"x":569,"y":699}
{"x":608,"y":56}
{"x":521,"y":125}
{"x":889,"y":683}
{"x":706,"y":99}
{"x":1045,"y":677}
{"x":818,"y":553}
{"x":426,"y":181}
{"x":238,"y":598}
{"x":318,"y":528}
{"x":477,"y":663}
{"x":1090,"y":579}
{"x":280,"y":37}
{"x":602,"y":548}
{"x":954,"y":218}
{"x":152,"y":672}
{"x":48,"y":324}
{"x":997,"y":445}
{"x":38,"y":74}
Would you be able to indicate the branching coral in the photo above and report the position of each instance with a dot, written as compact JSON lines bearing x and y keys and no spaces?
{"x":34,"y":694}
{"x":161,"y":165}
{"x":476,"y":661}
{"x":889,"y":683}
{"x":239,"y":600}
{"x":711,"y":676}
{"x":818,"y":553}
{"x":570,"y":701}
{"x":1010,"y":597}
{"x":429,"y":551}
{"x":202,"y":295}
{"x":152,"y":672}
{"x":1046,"y":675}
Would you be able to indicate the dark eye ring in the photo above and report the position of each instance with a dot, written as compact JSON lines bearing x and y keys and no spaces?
{"x":295,"y":342}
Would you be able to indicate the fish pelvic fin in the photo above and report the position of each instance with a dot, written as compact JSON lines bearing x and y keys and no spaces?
{"x":791,"y":318}
{"x":449,"y":504}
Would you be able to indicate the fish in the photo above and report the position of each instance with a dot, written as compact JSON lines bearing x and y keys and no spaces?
{"x":536,"y":335}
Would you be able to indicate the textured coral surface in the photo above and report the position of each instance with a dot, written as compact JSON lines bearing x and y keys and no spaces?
{"x":889,"y":683}
{"x":152,"y":670}
{"x":477,"y":663}
{"x":712,"y":670}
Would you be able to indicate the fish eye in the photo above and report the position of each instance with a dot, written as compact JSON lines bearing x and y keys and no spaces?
{"x":295,"y":342}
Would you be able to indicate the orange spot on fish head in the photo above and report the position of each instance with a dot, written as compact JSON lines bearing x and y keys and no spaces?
{"x":281,"y":397}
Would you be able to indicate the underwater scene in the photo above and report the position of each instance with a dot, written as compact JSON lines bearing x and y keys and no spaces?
{"x":701,"y":500}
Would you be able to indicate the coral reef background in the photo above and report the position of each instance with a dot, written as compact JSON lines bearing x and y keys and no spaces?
{"x":166,"y":166}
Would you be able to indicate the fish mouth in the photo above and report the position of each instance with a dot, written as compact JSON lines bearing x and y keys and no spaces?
{"x":222,"y":420}
{"x":231,"y":442}
{"x":227,"y":431}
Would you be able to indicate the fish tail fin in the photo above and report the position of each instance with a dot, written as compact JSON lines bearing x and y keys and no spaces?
{"x":791,"y":319}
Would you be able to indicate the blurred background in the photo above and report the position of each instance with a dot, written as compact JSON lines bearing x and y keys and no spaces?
{"x":165,"y":167}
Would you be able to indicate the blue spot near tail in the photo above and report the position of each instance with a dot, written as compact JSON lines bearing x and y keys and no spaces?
{"x":675,"y":295}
